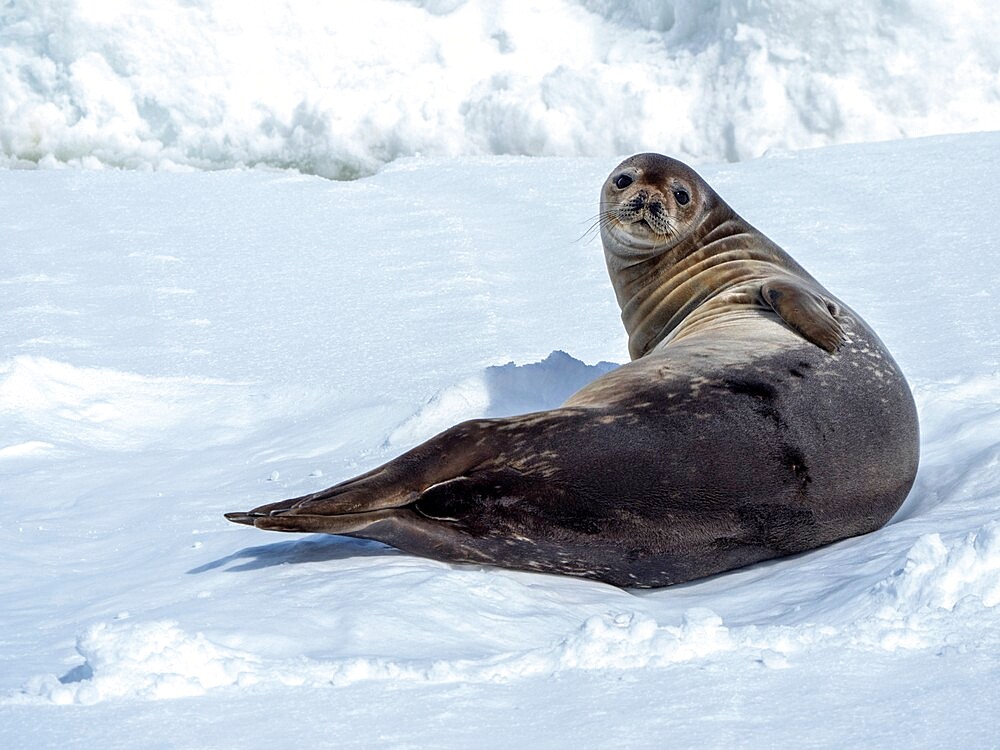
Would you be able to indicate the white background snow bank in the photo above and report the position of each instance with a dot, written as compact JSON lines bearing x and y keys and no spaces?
{"x":339,"y":89}
{"x":175,"y":346}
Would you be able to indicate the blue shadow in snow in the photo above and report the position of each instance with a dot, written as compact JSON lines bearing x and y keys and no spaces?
{"x":517,"y":389}
{"x":319,"y":548}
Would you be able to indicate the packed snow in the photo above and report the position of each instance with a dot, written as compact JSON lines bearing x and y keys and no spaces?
{"x":179,"y":345}
{"x":339,"y":89}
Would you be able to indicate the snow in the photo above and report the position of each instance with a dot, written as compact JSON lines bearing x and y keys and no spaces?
{"x":180,"y":338}
{"x":343,"y":89}
{"x":179,"y":345}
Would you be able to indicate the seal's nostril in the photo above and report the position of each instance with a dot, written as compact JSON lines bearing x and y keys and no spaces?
{"x":638,"y":200}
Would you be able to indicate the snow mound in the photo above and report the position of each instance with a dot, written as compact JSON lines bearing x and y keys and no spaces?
{"x":338,"y":92}
{"x":936,"y":576}
{"x":499,"y":391}
{"x":109,"y":409}
{"x":153,"y":661}
{"x":27,"y":448}
{"x":939,"y":589}
{"x":630,"y":641}
{"x":159,"y":661}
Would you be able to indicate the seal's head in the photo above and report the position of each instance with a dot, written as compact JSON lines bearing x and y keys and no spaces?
{"x":649,"y":204}
{"x":670,"y":243}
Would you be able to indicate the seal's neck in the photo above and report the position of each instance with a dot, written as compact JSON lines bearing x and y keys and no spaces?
{"x":657,"y":291}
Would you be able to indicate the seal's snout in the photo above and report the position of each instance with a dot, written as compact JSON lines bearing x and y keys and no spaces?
{"x":646,"y":204}
{"x":636,"y":203}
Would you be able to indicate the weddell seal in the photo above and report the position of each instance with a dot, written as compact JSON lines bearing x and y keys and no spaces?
{"x":759,"y":417}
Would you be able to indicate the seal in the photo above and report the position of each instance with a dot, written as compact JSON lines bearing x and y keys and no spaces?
{"x":759,"y":417}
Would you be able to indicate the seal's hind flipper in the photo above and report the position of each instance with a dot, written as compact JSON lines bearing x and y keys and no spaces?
{"x":348,"y":523}
{"x":805,"y":311}
{"x":240,"y":517}
{"x":401,"y":528}
{"x":396,"y":484}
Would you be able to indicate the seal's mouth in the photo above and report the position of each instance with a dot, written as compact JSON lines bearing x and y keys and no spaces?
{"x":644,"y":214}
{"x":639,"y":226}
{"x":646,"y":227}
{"x":636,"y":238}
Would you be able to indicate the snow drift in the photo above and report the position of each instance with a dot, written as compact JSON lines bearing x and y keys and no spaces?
{"x":339,"y":90}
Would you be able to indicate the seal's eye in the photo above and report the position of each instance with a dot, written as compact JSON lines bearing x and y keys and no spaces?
{"x":622,"y":181}
{"x":682,"y":197}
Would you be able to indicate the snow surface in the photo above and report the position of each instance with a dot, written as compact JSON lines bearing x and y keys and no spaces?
{"x":339,"y":89}
{"x":179,"y":345}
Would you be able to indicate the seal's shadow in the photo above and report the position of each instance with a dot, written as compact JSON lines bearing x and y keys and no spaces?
{"x":319,"y":548}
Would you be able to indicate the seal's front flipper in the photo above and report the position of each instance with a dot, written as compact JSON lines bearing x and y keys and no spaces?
{"x":805,"y":311}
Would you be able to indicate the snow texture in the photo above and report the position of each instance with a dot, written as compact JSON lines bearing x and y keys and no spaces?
{"x":340,"y":89}
{"x":179,"y":345}
{"x":157,"y":660}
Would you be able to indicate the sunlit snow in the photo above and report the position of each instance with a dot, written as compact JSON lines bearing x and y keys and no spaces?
{"x":176,"y":345}
{"x":339,"y":89}
{"x":325,"y":327}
